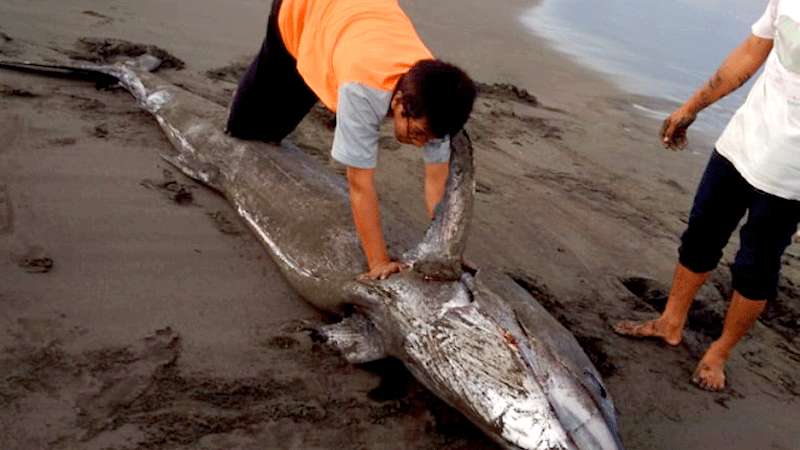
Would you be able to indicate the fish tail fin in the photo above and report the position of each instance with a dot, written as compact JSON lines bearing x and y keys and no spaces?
{"x":82,"y":71}
{"x":124,"y":73}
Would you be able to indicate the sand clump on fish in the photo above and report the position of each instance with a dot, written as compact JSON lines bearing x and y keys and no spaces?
{"x":108,"y":50}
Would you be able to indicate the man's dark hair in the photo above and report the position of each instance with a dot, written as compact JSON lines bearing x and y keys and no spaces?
{"x":438,"y":91}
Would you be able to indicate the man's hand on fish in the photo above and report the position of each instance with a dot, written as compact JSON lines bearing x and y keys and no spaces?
{"x":382,"y":271}
{"x":366,"y":215}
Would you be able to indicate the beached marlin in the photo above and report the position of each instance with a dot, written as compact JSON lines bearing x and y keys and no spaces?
{"x":475,"y":339}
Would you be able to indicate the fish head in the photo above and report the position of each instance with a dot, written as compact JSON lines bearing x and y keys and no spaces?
{"x":474,"y":355}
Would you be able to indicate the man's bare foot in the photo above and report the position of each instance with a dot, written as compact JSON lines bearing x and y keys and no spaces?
{"x":649,"y":329}
{"x":710,"y":371}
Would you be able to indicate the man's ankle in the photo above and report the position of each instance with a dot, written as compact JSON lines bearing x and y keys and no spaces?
{"x":718,"y":351}
{"x":671,"y":325}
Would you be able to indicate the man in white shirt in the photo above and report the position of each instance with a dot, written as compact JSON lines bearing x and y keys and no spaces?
{"x":755,"y":168}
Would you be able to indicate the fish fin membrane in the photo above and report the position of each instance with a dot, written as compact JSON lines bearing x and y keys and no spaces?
{"x":205,"y":173}
{"x":355,"y":338}
{"x":84,"y":71}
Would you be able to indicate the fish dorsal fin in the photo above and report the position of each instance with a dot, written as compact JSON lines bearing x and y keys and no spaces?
{"x":439,"y":254}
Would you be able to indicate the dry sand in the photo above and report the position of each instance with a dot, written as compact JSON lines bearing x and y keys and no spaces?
{"x":138,"y":312}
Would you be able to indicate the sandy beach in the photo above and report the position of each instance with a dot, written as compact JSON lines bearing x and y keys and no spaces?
{"x":137,"y":311}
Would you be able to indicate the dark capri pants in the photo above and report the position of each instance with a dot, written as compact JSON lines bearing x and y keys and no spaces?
{"x":721,"y":201}
{"x":272,"y":97}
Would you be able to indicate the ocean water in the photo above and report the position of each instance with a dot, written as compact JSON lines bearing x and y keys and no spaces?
{"x":653,"y":48}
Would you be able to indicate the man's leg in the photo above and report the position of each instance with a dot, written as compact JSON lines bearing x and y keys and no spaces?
{"x":719,"y":204}
{"x":271,"y":98}
{"x":771,"y":223}
{"x":669,"y":326}
{"x":741,"y":315}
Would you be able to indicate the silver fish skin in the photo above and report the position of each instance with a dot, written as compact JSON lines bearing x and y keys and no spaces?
{"x":477,"y":341}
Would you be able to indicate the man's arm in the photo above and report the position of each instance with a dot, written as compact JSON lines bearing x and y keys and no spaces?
{"x":737,"y":68}
{"x":435,"y":180}
{"x":367,"y":218}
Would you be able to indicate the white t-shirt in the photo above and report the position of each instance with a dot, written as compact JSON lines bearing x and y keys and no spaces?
{"x":360,"y":111}
{"x":762,"y":140}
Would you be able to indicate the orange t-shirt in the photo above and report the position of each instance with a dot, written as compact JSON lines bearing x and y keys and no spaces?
{"x":336,"y":42}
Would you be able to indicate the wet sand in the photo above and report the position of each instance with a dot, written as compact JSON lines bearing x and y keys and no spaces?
{"x":138,"y":312}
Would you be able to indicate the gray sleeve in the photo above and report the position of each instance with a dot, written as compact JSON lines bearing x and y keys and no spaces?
{"x":359,"y":113}
{"x":437,"y":151}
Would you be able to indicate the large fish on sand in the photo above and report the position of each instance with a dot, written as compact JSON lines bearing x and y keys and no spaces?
{"x":474,"y":338}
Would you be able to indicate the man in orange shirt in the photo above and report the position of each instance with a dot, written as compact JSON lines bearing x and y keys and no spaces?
{"x":364,"y":60}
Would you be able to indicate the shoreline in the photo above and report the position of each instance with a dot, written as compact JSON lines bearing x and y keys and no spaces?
{"x":554,"y":77}
{"x":616,"y":61}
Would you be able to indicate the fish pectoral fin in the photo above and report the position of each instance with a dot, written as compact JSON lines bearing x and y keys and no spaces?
{"x":205,"y":173}
{"x":355,"y":338}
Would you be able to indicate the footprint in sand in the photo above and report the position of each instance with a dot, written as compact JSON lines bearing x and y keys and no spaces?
{"x":108,"y":50}
{"x":7,"y":45}
{"x":282,"y":342}
{"x":706,"y":315}
{"x":8,"y":91}
{"x":230,"y":73}
{"x":483,"y":188}
{"x":649,"y":291}
{"x":104,"y":19}
{"x":175,"y":191}
{"x":100,"y":131}
{"x":6,"y":217}
{"x":62,"y":142}
{"x":225,"y":224}
{"x":34,"y":260}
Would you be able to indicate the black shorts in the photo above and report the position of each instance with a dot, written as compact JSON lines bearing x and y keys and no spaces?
{"x":721,"y":201}
{"x":272,"y":97}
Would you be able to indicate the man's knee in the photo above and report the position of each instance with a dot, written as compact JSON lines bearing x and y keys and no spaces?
{"x":700,"y":251}
{"x":240,"y":129}
{"x":248,"y":124}
{"x":251,"y":133}
{"x":755,"y":283}
{"x":756,"y":269}
{"x":764,"y":239}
